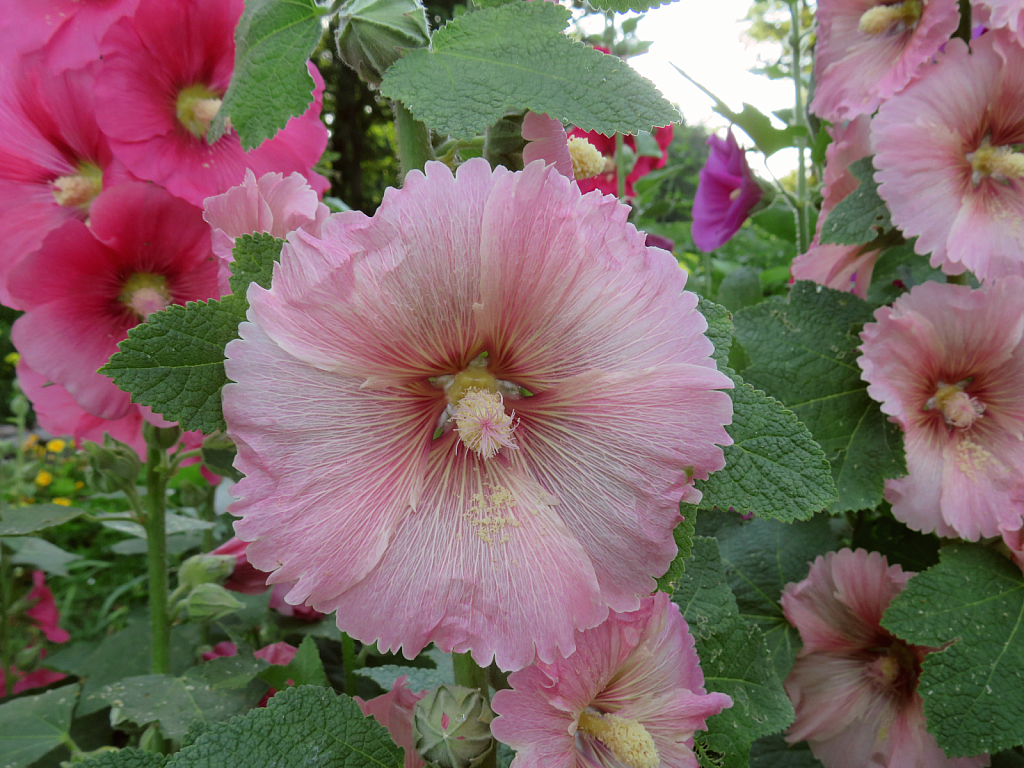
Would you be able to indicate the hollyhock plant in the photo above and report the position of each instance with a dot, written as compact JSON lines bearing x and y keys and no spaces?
{"x":393,"y":710}
{"x":165,"y":71}
{"x":249,"y":581}
{"x":607,"y":180}
{"x":949,"y":168}
{"x":88,"y":285}
{"x":947,"y":364}
{"x":43,"y":611}
{"x":726,"y":192}
{"x":868,"y":51}
{"x":854,"y":685}
{"x":513,"y":456}
{"x":275,"y":204}
{"x":842,"y":267}
{"x":631,"y":696}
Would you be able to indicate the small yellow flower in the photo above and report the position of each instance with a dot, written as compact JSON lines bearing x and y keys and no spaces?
{"x":12,"y":358}
{"x":44,"y":478}
{"x":61,"y":500}
{"x":55,"y":446}
{"x":30,"y":441}
{"x":79,"y":485}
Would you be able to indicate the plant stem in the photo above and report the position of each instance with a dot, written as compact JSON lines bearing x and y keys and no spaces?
{"x":803,"y":218}
{"x":349,"y":662}
{"x":156,"y":556}
{"x":471,"y":675}
{"x":620,"y":168}
{"x":414,"y":148}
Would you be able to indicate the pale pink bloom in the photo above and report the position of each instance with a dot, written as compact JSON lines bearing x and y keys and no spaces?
{"x":946,"y":163}
{"x":275,"y":204}
{"x":947,"y":364}
{"x":868,"y":51}
{"x":631,"y":695}
{"x":43,"y":611}
{"x":393,"y":710}
{"x":249,"y":581}
{"x":88,"y":285}
{"x":726,"y":192}
{"x":165,"y":70}
{"x":546,"y":140}
{"x":854,"y":685}
{"x":842,"y":267}
{"x":994,"y":14}
{"x":358,"y":355}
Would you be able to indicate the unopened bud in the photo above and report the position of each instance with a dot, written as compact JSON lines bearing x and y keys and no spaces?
{"x":452,"y":727}
{"x":161,"y":437}
{"x":205,"y":569}
{"x":373,"y":33}
{"x":209,"y":602}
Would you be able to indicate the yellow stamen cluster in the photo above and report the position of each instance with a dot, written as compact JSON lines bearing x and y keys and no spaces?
{"x":482,"y":423}
{"x":885,"y":18}
{"x":145,"y":293}
{"x":628,"y":740}
{"x":587,"y":161}
{"x":1001,"y":163}
{"x":959,"y":409}
{"x":80,"y":188}
{"x":197,"y":105}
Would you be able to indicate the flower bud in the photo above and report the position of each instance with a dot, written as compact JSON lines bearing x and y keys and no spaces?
{"x":451,"y":727}
{"x":209,"y":602}
{"x":112,"y":465}
{"x":219,"y":454}
{"x":205,"y":569}
{"x":161,"y":437}
{"x":373,"y":33}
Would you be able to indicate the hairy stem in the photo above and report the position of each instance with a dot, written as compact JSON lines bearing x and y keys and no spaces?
{"x":414,"y":148}
{"x":156,"y":556}
{"x":803,"y":217}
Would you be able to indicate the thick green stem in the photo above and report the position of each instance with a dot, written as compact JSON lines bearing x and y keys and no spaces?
{"x":414,"y":148}
{"x":350,"y":662}
{"x":156,"y":556}
{"x":620,"y":167}
{"x":803,"y":217}
{"x":471,"y":675}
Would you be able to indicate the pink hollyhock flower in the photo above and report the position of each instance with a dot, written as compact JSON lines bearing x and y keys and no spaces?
{"x":726,"y":192}
{"x":546,"y":140}
{"x":393,"y":710}
{"x":43,"y":612}
{"x":88,"y":285}
{"x":631,"y":695}
{"x":165,"y":71}
{"x":854,"y":685}
{"x":868,"y":51}
{"x":275,"y":204}
{"x":468,"y":508}
{"x":947,"y":364}
{"x":995,"y":14}
{"x":842,"y":267}
{"x":220,"y":650}
{"x":608,"y":180}
{"x":249,"y":581}
{"x":947,"y":167}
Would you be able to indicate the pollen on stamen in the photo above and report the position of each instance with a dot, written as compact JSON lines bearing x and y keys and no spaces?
{"x":587,"y":160}
{"x":482,"y":423}
{"x":883,"y":18}
{"x":627,"y":739}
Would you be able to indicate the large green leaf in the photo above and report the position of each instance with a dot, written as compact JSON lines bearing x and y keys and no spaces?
{"x":860,"y":216}
{"x":683,"y":535}
{"x":23,"y":520}
{"x":304,"y":669}
{"x":514,"y":57}
{"x":31,"y":726}
{"x":125,"y":758}
{"x":39,"y":553}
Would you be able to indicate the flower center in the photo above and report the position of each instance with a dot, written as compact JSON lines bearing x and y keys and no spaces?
{"x":884,"y":19}
{"x":628,"y":740}
{"x":144,"y":293}
{"x":78,"y":189}
{"x":1001,"y":163}
{"x":959,"y":409}
{"x":587,"y":161}
{"x":196,"y":107}
{"x":476,"y":403}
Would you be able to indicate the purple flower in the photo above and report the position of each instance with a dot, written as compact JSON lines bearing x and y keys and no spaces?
{"x":726,"y":193}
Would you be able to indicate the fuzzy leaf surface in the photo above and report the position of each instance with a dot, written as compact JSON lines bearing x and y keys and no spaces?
{"x":683,"y":534}
{"x":973,"y":690}
{"x":860,"y":216}
{"x":803,"y":351}
{"x":254,"y":259}
{"x":125,"y":758}
{"x":270,"y":83}
{"x":23,"y":520}
{"x":30,"y":726}
{"x":304,"y":669}
{"x":719,"y":330}
{"x":624,"y":6}
{"x":511,"y":57}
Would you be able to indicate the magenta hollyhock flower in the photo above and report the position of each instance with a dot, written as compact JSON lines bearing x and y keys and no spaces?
{"x":392,"y":360}
{"x":842,"y":267}
{"x":948,"y":167}
{"x":869,"y":50}
{"x":88,"y":285}
{"x":43,"y":611}
{"x":608,"y":180}
{"x":165,"y":71}
{"x":854,"y":685}
{"x":275,"y":204}
{"x":947,"y":364}
{"x":249,"y":581}
{"x":631,"y":695}
{"x":394,"y":711}
{"x":726,"y":192}
{"x":26,"y":681}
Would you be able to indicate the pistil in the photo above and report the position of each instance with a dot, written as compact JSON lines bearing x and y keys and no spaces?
{"x":627,"y":739}
{"x":79,"y":189}
{"x":958,"y":408}
{"x":1001,"y":163}
{"x":587,"y":161}
{"x":144,"y":293}
{"x":197,"y":105}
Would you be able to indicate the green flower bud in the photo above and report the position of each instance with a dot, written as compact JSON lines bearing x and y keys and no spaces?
{"x":209,"y":602}
{"x":161,"y":437}
{"x":112,"y":465}
{"x":205,"y":569}
{"x":452,"y":727}
{"x":373,"y":33}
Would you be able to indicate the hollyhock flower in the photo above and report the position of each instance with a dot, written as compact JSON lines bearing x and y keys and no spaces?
{"x":607,"y":179}
{"x":249,"y":581}
{"x":547,"y":141}
{"x":726,"y":192}
{"x":275,"y":204}
{"x":947,"y":167}
{"x":994,"y":14}
{"x":43,"y":612}
{"x":868,"y":51}
{"x":947,"y":364}
{"x":88,"y":285}
{"x":358,"y":367}
{"x":842,"y":267}
{"x":854,"y":685}
{"x":26,"y":681}
{"x":631,"y":696}
{"x":393,"y":710}
{"x":53,"y":158}
{"x":277,"y":654}
{"x":165,"y":71}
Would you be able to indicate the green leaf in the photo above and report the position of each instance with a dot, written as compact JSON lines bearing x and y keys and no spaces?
{"x":740,"y":288}
{"x":299,"y":726}
{"x":18,"y":522}
{"x":683,"y":534}
{"x":899,"y":269}
{"x":719,"y":329}
{"x":270,"y":82}
{"x":174,"y":363}
{"x":624,"y":6}
{"x":125,"y":758}
{"x":254,"y":259}
{"x":860,"y":216}
{"x":418,"y":678}
{"x":305,"y":669}
{"x":803,"y":352}
{"x":30,"y":726}
{"x":174,"y":524}
{"x":39,"y":553}
{"x":513,"y":57}
{"x":774,"y":752}
{"x":913,"y":550}
{"x":973,"y":690}
{"x":702,"y":592}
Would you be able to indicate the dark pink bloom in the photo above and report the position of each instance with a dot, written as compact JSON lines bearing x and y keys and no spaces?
{"x":726,"y":192}
{"x":88,"y":285}
{"x":632,"y":694}
{"x":868,"y":51}
{"x":393,"y":710}
{"x":854,"y":685}
{"x":220,"y":650}
{"x":43,"y":613}
{"x":250,"y":581}
{"x":608,"y":181}
{"x":279,"y":654}
{"x":37,"y":678}
{"x":165,"y":70}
